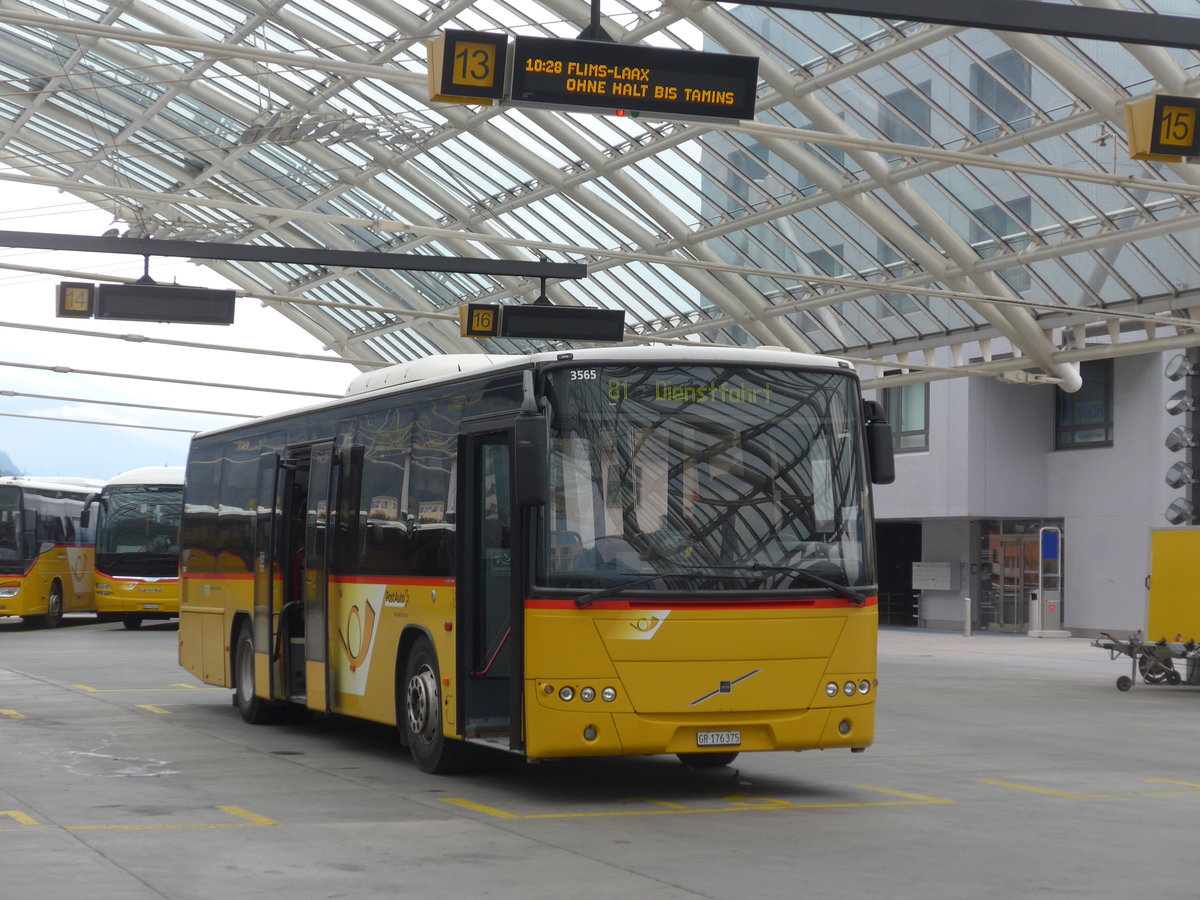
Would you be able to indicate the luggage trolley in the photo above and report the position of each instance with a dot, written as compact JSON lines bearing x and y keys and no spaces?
{"x":1152,"y":661}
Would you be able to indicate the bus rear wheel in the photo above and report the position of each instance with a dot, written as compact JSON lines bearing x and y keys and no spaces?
{"x":54,"y":608}
{"x":254,"y":710}
{"x":420,"y":713}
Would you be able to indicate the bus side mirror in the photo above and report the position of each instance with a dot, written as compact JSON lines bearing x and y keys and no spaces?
{"x":85,"y":514}
{"x":880,"y":455}
{"x":530,"y":446}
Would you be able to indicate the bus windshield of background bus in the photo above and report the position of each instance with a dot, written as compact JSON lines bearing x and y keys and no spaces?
{"x":138,"y":531}
{"x":717,"y":478}
{"x":10,"y":530}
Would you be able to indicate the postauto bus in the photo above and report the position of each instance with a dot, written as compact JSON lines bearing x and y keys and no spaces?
{"x":653,"y":550}
{"x":45,"y":551}
{"x":137,"y":544}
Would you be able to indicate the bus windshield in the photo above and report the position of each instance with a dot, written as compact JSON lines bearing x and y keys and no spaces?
{"x":138,"y":531}
{"x":704,"y":478}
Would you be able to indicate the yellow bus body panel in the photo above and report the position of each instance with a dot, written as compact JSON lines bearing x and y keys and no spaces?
{"x":1173,"y":602}
{"x":70,"y":566}
{"x":759,"y":671}
{"x":208,"y":605}
{"x":367,"y":625}
{"x":157,"y":596}
{"x":678,"y":672}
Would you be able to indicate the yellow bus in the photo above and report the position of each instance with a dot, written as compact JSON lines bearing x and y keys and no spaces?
{"x":45,"y":552}
{"x":589,"y":553}
{"x":137,"y":544}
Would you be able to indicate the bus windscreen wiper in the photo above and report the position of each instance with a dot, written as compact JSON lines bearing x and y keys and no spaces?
{"x":613,"y":589}
{"x":841,"y":590}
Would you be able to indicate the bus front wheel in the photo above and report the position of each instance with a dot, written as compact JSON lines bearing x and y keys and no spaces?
{"x":54,"y":608}
{"x":420,"y":713}
{"x":132,"y":621}
{"x":254,"y":710}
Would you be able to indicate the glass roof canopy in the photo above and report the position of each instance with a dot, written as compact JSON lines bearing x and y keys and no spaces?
{"x":917,"y":197}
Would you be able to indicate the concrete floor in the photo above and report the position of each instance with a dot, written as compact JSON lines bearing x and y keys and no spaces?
{"x":1004,"y":766}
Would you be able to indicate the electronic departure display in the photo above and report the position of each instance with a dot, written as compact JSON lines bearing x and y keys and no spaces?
{"x":598,"y":74}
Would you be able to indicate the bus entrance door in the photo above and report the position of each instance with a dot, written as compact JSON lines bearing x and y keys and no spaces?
{"x":489,"y":593}
{"x":296,"y":614}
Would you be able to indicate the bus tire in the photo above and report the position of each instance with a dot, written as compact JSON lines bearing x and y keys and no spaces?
{"x":707,"y":760}
{"x":54,"y":608}
{"x":420,"y":712}
{"x":132,"y":621}
{"x":254,"y":710}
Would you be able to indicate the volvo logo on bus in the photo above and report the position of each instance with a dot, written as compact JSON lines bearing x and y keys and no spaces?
{"x":725,"y":687}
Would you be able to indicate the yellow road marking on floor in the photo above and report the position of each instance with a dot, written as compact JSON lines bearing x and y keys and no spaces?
{"x":249,"y":820}
{"x":11,"y":713}
{"x":1068,"y":795}
{"x":916,"y":798}
{"x":480,"y":808}
{"x":18,"y":816}
{"x":150,"y":707}
{"x":171,"y":687}
{"x":737,"y":803}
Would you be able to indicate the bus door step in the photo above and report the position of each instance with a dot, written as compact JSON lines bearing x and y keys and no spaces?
{"x":295,"y":664}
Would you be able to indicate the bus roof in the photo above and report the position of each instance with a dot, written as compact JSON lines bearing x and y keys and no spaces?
{"x":55,"y":483}
{"x":159,"y":475}
{"x":450,"y":367}
{"x":436,"y":368}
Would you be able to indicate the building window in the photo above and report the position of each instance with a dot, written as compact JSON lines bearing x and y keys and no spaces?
{"x":1002,"y":87}
{"x":907,"y":410}
{"x":997,"y":229}
{"x":1085,"y":418}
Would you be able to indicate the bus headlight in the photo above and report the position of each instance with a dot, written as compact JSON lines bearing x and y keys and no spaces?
{"x":587,"y":694}
{"x":831,"y":689}
{"x":608,"y":695}
{"x":9,"y":590}
{"x":864,"y":687}
{"x":849,"y":688}
{"x":566,"y":694}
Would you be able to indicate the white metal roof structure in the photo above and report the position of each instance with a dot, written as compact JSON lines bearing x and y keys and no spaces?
{"x":940,"y":199}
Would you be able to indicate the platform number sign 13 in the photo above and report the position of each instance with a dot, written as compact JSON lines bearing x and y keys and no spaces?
{"x":467,"y":67}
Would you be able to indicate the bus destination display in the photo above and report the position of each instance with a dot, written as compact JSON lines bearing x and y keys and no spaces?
{"x":598,"y":74}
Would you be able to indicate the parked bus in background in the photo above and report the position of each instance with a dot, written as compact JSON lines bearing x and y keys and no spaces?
{"x":589,"y":553}
{"x":45,"y":553}
{"x":137,"y":544}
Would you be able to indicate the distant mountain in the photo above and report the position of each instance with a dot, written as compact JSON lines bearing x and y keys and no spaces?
{"x":7,"y":467}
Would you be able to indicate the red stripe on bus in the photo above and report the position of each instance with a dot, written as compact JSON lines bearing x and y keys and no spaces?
{"x":798,"y":603}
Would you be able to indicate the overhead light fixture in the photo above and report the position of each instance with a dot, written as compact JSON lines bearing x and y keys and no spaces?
{"x":1179,"y":367}
{"x":1180,"y":438}
{"x":1180,"y":512}
{"x":1180,"y":475}
{"x":1181,"y":402}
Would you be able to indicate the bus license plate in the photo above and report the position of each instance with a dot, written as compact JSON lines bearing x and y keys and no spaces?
{"x":718,"y":738}
{"x":149,"y":606}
